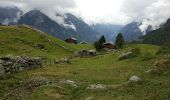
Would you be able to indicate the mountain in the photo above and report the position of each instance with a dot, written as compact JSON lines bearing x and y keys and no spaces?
{"x":83,"y":30}
{"x":108,"y":30}
{"x":131,"y":31}
{"x":158,"y":36}
{"x":42,"y":22}
{"x":9,"y":15}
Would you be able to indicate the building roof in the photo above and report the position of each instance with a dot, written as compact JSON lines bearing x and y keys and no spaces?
{"x":108,"y":43}
{"x":73,"y":38}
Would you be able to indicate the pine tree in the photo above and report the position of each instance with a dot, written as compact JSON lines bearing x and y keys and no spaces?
{"x":99,"y":44}
{"x":119,"y":41}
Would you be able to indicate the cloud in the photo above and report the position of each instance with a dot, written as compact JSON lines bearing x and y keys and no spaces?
{"x":100,"y":11}
{"x":147,"y":12}
{"x":51,"y":8}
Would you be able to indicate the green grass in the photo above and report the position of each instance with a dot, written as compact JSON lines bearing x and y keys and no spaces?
{"x":21,"y":41}
{"x":103,"y":69}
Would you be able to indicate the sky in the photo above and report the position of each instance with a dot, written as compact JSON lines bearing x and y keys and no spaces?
{"x":121,"y":12}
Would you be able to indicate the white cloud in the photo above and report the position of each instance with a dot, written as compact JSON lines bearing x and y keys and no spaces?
{"x":50,"y":8}
{"x":157,"y":11}
{"x":101,"y":11}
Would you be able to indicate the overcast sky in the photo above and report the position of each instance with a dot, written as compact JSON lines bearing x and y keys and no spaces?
{"x":152,"y":12}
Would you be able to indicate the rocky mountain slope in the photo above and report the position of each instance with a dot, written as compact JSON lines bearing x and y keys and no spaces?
{"x":9,"y":15}
{"x":108,"y":30}
{"x":39,"y":20}
{"x":131,"y":31}
{"x":159,"y":36}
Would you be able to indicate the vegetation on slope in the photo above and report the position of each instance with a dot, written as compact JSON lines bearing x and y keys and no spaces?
{"x":159,"y":36}
{"x":102,"y":69}
{"x":22,"y":40}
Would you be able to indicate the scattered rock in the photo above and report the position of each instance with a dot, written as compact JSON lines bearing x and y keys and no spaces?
{"x":62,"y":61}
{"x":85,"y":53}
{"x":97,"y":86}
{"x":135,"y":79}
{"x":70,"y":82}
{"x":151,"y":71}
{"x":89,"y":98}
{"x":125,"y":55}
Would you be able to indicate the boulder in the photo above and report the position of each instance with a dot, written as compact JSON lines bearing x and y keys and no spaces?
{"x":69,"y":82}
{"x":125,"y":55}
{"x":89,"y":98}
{"x":96,"y":86}
{"x":62,"y":61}
{"x":135,"y":79}
{"x":86,"y":53}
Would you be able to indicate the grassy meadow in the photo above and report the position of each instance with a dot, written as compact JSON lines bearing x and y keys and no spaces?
{"x":49,"y":82}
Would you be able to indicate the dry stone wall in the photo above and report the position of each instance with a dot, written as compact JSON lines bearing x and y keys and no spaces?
{"x":14,"y":64}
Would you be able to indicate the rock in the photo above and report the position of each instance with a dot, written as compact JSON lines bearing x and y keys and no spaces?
{"x":69,"y":82}
{"x":62,"y":61}
{"x":97,"y":86}
{"x":89,"y":98}
{"x":86,"y":53}
{"x":125,"y":55}
{"x":135,"y":79}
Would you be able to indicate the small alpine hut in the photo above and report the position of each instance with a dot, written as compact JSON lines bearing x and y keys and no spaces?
{"x":71,"y":40}
{"x":109,"y":45}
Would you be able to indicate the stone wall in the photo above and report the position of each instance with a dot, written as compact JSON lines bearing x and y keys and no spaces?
{"x":14,"y":64}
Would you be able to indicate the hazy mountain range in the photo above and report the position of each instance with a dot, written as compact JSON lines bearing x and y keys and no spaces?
{"x":81,"y":30}
{"x":108,"y":30}
{"x":158,"y":36}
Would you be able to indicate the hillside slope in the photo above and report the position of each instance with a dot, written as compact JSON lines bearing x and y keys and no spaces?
{"x":159,"y":36}
{"x":83,"y":32}
{"x":24,"y":40}
{"x":131,"y":31}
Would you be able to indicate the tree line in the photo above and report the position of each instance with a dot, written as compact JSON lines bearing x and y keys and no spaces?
{"x":120,"y":41}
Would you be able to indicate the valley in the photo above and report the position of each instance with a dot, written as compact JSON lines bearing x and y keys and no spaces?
{"x":84,"y":50}
{"x":100,"y":77}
